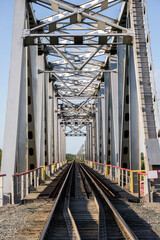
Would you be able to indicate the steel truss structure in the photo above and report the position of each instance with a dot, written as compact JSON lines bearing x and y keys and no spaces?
{"x":79,"y":72}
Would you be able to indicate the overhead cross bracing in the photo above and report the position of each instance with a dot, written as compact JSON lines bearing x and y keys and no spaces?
{"x":75,"y":40}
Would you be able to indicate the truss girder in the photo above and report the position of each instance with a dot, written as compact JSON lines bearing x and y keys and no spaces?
{"x":77,"y":71}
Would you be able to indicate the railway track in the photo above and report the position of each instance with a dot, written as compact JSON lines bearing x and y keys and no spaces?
{"x":82,"y":210}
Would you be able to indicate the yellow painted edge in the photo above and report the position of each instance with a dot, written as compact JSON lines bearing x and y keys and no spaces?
{"x":138,"y":171}
{"x":107,"y":170}
{"x":131,"y":181}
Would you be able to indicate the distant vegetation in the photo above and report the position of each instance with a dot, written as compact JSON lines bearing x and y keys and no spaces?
{"x":0,"y":157}
{"x":70,"y":157}
{"x":81,"y":157}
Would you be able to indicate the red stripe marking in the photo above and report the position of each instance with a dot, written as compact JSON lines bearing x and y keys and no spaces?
{"x":2,"y":175}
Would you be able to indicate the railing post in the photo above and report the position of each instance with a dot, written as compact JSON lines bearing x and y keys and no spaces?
{"x":17,"y":189}
{"x":131,"y":182}
{"x":139,"y":187}
{"x":35,"y":179}
{"x":12,"y":189}
{"x":106,"y":170}
{"x":22,"y":187}
{"x":52,"y":169}
{"x":111,"y":173}
{"x":41,"y":170}
{"x":126,"y":178}
{"x":1,"y":191}
{"x":31,"y":178}
{"x":119,"y":176}
{"x":44,"y":173}
{"x":122,"y":178}
{"x":49,"y":170}
{"x":145,"y":186}
{"x":115,"y":173}
{"x":149,"y":189}
{"x":27,"y":185}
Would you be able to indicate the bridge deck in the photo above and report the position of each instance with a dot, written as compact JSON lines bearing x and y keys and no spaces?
{"x":35,"y":214}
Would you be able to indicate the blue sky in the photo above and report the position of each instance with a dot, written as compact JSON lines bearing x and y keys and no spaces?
{"x":6,"y":16}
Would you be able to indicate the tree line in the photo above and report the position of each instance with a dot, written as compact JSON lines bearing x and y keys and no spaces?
{"x":70,"y":157}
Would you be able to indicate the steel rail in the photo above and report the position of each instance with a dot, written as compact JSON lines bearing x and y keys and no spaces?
{"x":109,"y":192}
{"x":102,"y":231}
{"x":42,"y":236}
{"x":118,"y":217}
{"x":70,"y":222}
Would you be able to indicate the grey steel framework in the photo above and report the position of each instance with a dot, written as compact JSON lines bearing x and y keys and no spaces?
{"x":79,"y":72}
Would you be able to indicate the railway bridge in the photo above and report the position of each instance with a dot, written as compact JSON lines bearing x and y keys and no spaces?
{"x":77,"y":69}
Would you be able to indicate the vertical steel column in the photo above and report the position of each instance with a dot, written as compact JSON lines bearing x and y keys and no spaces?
{"x":41,"y":103}
{"x":14,"y":96}
{"x":58,"y":139}
{"x":134,"y":118}
{"x":32,"y":161}
{"x":64,"y":143}
{"x":22,"y":140}
{"x":49,"y":119}
{"x":94,"y":139}
{"x":114,"y":113}
{"x":121,"y":52}
{"x":107,"y":115}
{"x":61,"y":142}
{"x":103,"y":139}
{"x":87,"y":143}
{"x":99,"y":127}
{"x":91,"y":141}
{"x":97,"y":134}
{"x":46,"y":119}
{"x":33,"y":119}
{"x":55,"y":120}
